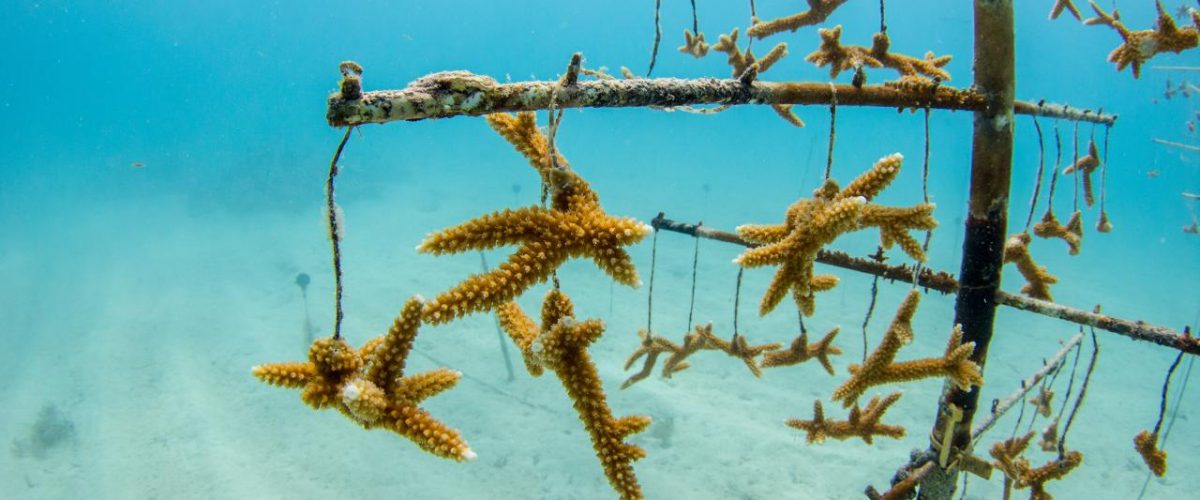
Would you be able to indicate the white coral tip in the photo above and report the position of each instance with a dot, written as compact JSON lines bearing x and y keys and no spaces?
{"x":469,"y":455}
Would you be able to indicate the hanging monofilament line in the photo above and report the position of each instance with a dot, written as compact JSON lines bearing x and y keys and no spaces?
{"x":650,"y":287}
{"x":1074,"y":161}
{"x":695,"y":20}
{"x":737,"y":299}
{"x":1054,"y":171}
{"x":499,"y":331}
{"x":657,"y":36}
{"x":882,"y":18}
{"x":1174,"y":412}
{"x":1162,"y":406}
{"x":918,"y":265}
{"x":1062,"y":439}
{"x":832,"y":131}
{"x":1037,"y":185}
{"x":334,"y":220}
{"x":1103,"y":225}
{"x":695,"y":268}
{"x":870,"y":310}
{"x":1070,"y":381}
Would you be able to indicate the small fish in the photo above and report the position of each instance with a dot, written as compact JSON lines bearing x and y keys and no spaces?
{"x":1191,"y":126}
{"x":137,"y":164}
{"x":1153,"y":173}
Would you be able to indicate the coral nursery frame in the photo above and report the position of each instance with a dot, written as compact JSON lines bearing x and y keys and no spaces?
{"x":369,"y":384}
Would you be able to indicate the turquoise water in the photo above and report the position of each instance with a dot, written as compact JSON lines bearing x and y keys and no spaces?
{"x":161,"y":186}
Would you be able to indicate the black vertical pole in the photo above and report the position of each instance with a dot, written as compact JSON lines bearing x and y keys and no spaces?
{"x":986,"y":223}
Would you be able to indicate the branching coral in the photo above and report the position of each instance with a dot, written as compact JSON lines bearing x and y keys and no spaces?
{"x":880,"y":367}
{"x":1042,"y":401}
{"x":560,"y":345}
{"x":746,"y":66}
{"x":1140,"y":46}
{"x":1155,"y":458}
{"x":694,"y":44}
{"x":1085,"y":165}
{"x":1064,"y":5}
{"x":1037,"y":278}
{"x":369,"y":386}
{"x":810,"y":224}
{"x":651,"y":348}
{"x":840,"y":58}
{"x":702,"y":339}
{"x":862,"y":423}
{"x":1057,"y":468}
{"x":573,"y":226}
{"x":1072,"y":233}
{"x":800,"y":351}
{"x":818,"y":11}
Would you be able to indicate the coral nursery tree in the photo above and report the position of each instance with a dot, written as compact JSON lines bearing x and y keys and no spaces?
{"x":369,"y":386}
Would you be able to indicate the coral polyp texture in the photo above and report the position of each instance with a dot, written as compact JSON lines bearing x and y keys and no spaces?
{"x":1071,"y":234}
{"x":1084,"y":166}
{"x":1037,"y":278}
{"x":369,"y":386}
{"x":818,"y":11}
{"x":800,"y":351}
{"x":1061,"y":6}
{"x":862,"y":423}
{"x":694,"y":44}
{"x":701,"y":338}
{"x":572,"y":226}
{"x":840,"y":57}
{"x":880,"y":367}
{"x":1155,"y":458}
{"x":560,"y":345}
{"x":747,"y":66}
{"x":810,"y":224}
{"x":1139,"y":46}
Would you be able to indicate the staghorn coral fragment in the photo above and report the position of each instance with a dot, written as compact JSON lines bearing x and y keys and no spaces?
{"x":1049,"y":227}
{"x":1155,"y":458}
{"x":818,"y":11}
{"x":1085,"y":165}
{"x":862,"y":423}
{"x":369,"y":386}
{"x":573,"y":226}
{"x":741,"y":62}
{"x":1064,"y":5}
{"x":1137,"y":47}
{"x":561,"y":347}
{"x":694,"y":44}
{"x":880,"y":367}
{"x":1038,"y":280}
{"x":800,"y":351}
{"x":1103,"y":225}
{"x":1042,"y":401}
{"x":702,"y":338}
{"x":810,"y":224}
{"x":1049,"y":441}
{"x":1057,"y":468}
{"x":651,"y":348}
{"x":840,"y":58}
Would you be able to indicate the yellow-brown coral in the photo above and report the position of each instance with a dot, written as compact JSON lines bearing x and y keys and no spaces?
{"x":1035,"y":479}
{"x":1086,"y":165}
{"x":561,"y":346}
{"x":1042,"y":401}
{"x":1038,"y":280}
{"x":801,"y":351}
{"x":747,"y":66}
{"x":651,"y":347}
{"x":370,"y":387}
{"x":818,"y":11}
{"x":573,"y":226}
{"x":810,"y":224}
{"x":1139,"y":46}
{"x":702,"y":338}
{"x":879,"y":368}
{"x":1072,"y":234}
{"x":1064,"y":5}
{"x":694,"y":44}
{"x":853,"y":57}
{"x":1155,"y":458}
{"x":862,"y":423}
